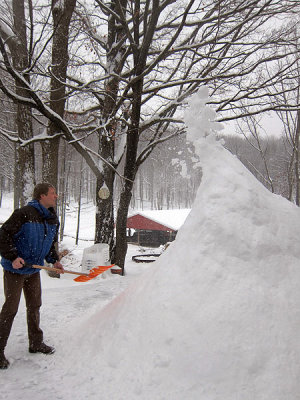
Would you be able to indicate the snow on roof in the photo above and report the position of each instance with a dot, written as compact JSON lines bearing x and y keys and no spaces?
{"x":173,"y":219}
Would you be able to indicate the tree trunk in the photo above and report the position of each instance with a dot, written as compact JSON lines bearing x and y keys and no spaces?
{"x":79,"y":203}
{"x":104,"y":228}
{"x":105,"y":207}
{"x":63,"y":190}
{"x":50,"y":160}
{"x":130,"y":169}
{"x":297,"y":177}
{"x":17,"y":180}
{"x":2,"y":190}
{"x":25,"y":174}
{"x":62,"y":14}
{"x":121,"y":225}
{"x":25,"y":154}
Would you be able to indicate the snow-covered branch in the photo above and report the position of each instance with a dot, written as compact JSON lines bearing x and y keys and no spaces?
{"x":11,"y":136}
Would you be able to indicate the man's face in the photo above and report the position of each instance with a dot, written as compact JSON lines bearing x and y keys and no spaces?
{"x":49,"y":199}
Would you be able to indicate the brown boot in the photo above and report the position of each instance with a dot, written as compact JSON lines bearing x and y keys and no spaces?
{"x":42,"y":348}
{"x":4,"y":363}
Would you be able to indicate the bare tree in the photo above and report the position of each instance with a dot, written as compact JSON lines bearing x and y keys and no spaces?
{"x":61,"y":13}
{"x":135,"y":63}
{"x":287,"y":91}
{"x":15,"y":35}
{"x":251,"y":130}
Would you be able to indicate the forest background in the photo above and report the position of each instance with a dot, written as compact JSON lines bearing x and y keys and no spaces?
{"x":93,"y":93}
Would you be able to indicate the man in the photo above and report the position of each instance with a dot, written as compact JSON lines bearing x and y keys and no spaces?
{"x":27,"y":238}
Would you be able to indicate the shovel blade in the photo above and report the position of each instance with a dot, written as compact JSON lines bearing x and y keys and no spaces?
{"x":93,"y":273}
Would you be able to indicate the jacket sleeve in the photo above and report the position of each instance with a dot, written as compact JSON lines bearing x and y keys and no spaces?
{"x":52,"y":256}
{"x":7,"y":232}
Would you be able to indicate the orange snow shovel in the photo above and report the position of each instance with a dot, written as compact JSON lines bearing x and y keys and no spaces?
{"x":84,"y":277}
{"x":93,"y":273}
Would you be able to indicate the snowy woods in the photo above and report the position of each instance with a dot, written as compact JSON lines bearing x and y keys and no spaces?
{"x":93,"y":94}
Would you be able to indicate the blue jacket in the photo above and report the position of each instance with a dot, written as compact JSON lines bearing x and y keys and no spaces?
{"x":30,"y":233}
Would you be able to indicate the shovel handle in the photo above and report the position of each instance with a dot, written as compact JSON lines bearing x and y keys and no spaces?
{"x":58,"y":270}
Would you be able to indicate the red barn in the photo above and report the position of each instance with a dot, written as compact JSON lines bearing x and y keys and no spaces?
{"x":155,"y":227}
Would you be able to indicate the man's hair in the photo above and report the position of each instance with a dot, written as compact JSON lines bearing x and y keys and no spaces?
{"x":41,"y":188}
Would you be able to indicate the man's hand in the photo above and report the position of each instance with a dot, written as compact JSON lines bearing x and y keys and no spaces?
{"x":18,"y":263}
{"x":59,"y":266}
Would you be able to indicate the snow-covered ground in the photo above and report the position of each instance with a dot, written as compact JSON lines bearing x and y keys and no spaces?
{"x":216,"y":317}
{"x":65,"y":304}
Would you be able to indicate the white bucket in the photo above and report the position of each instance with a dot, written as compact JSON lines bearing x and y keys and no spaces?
{"x":96,"y":255}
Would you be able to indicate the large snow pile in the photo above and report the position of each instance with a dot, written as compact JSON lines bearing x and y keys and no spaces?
{"x":218,"y":315}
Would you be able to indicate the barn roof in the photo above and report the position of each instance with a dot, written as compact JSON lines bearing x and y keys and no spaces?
{"x":158,"y":219}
